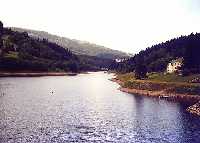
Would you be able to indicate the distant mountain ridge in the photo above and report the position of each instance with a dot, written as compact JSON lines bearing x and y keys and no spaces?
{"x":76,"y":46}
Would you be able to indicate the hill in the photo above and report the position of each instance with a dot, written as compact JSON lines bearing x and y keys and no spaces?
{"x":77,"y":47}
{"x":156,"y":58}
{"x":20,"y":52}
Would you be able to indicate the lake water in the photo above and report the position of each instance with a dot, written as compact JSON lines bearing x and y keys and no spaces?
{"x":88,"y":108}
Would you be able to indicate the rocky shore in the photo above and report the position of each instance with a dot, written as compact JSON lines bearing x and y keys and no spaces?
{"x":193,"y":100}
{"x":190,"y":99}
{"x":194,"y":109}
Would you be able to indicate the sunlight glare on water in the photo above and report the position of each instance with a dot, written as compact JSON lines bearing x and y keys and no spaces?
{"x":88,"y":108}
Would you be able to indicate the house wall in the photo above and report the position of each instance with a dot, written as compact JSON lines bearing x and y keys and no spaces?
{"x":173,"y":67}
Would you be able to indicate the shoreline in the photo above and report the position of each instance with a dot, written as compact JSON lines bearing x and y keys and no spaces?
{"x":35,"y":74}
{"x":192,"y":100}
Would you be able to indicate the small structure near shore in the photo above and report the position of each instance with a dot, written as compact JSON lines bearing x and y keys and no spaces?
{"x":175,"y":65}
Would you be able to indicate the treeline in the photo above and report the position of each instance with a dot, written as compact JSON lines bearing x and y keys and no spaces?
{"x":77,"y":47}
{"x":19,"y":52}
{"x":156,"y":58}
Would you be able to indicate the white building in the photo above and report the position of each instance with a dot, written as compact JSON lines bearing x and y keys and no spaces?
{"x":119,"y":60}
{"x":174,"y":65}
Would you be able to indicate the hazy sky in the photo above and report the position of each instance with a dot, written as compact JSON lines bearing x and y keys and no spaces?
{"x":127,"y":25}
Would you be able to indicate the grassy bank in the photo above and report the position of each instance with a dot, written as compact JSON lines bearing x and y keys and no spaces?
{"x":169,"y":83}
{"x":169,"y":86}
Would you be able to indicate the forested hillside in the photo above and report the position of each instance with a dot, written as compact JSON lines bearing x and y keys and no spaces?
{"x":77,"y":47}
{"x":156,"y":58}
{"x":20,"y":52}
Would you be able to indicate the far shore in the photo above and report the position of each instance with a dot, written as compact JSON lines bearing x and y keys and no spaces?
{"x":35,"y":74}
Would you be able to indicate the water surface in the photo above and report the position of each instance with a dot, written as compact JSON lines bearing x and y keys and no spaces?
{"x":88,"y":108}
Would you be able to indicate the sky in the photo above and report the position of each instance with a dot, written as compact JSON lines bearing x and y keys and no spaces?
{"x":126,"y":25}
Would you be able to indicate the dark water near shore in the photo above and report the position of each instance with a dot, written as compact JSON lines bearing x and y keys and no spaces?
{"x":88,"y":108}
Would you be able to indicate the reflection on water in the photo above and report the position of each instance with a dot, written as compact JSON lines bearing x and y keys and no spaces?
{"x":88,"y":108}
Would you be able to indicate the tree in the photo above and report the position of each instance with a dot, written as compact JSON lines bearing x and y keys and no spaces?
{"x":1,"y":42}
{"x":140,"y":71}
{"x":1,"y":32}
{"x":73,"y":66}
{"x":1,"y":28}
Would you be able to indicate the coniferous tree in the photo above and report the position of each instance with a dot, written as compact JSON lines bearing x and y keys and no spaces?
{"x":140,"y":71}
{"x":1,"y":28}
{"x":1,"y":32}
